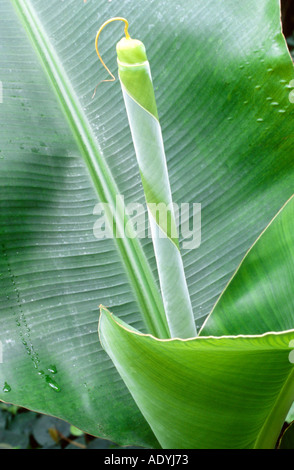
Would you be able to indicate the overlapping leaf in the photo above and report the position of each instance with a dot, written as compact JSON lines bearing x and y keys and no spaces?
{"x":207,"y":392}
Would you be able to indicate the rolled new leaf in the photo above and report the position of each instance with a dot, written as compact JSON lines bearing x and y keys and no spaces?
{"x":137,"y":88}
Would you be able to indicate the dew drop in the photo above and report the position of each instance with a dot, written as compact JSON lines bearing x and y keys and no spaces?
{"x":6,"y":388}
{"x":268,"y":98}
{"x":274,"y":103}
{"x":52,"y":383}
{"x":52,"y":368}
{"x":281,"y":111}
{"x":257,"y":87}
{"x":270,"y":70}
{"x":259,"y":120}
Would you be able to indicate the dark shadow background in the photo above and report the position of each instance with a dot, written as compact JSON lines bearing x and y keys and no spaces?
{"x":288,"y":17}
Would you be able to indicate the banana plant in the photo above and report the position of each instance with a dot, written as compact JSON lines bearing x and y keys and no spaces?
{"x":222,"y":78}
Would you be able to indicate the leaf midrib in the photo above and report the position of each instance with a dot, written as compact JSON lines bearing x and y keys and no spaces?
{"x":132,"y":255}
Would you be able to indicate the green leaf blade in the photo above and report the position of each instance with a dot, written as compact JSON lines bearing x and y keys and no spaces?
{"x":259,"y":297}
{"x":182,"y":387}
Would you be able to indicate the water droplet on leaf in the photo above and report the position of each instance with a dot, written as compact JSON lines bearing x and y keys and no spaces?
{"x":52,"y":383}
{"x":52,"y":368}
{"x":6,"y":388}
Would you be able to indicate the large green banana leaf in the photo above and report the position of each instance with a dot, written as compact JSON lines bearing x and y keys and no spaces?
{"x":221,"y":72}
